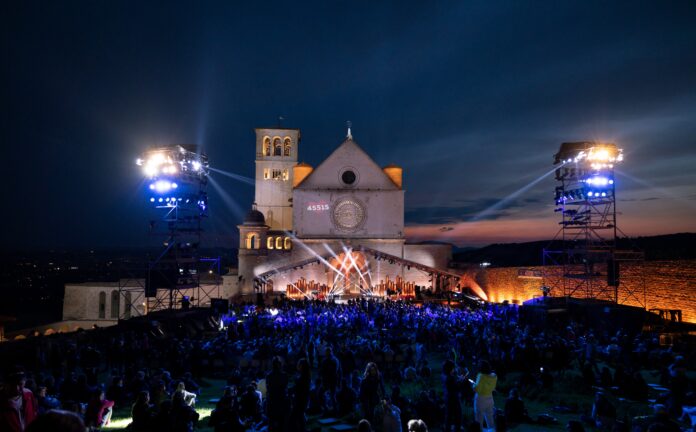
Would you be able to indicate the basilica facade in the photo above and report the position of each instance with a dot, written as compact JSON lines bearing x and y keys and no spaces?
{"x":336,"y":230}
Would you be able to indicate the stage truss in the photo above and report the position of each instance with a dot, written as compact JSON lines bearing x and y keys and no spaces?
{"x":584,"y":260}
{"x":441,"y":280}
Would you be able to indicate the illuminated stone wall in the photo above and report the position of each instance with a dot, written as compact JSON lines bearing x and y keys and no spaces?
{"x":669,"y":285}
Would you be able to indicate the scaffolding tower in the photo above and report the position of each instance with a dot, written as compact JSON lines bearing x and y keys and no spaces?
{"x":177,"y":276}
{"x":584,"y":259}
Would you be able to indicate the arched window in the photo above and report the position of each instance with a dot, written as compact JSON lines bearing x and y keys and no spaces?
{"x":266,"y":146}
{"x":252,"y":241}
{"x":269,"y":243}
{"x":129,"y":304}
{"x":115,"y":305}
{"x":288,"y":243}
{"x":279,"y":242}
{"x":287,"y":145}
{"x":277,"y":148}
{"x":102,"y":304}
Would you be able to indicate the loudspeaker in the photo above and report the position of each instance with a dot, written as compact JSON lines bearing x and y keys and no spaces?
{"x":613,"y":273}
{"x":220,"y":305}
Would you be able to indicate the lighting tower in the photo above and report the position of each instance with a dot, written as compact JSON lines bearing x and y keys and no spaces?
{"x":587,"y":263}
{"x":176,"y":179}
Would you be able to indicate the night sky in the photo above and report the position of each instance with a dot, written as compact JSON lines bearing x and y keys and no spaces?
{"x":471,"y":98}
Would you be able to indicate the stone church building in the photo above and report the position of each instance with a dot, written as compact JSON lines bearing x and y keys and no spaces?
{"x":334,"y":230}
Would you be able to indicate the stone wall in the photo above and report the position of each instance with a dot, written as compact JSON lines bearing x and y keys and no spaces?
{"x":668,"y":285}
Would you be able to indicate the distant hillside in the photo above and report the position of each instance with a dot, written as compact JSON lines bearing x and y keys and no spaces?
{"x":662,"y":247}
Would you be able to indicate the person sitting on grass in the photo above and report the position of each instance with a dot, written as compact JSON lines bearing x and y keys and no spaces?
{"x":225,"y":416}
{"x":99,"y":410}
{"x":182,"y":415}
{"x":189,"y":398}
{"x":142,"y":412}
{"x":515,"y":412}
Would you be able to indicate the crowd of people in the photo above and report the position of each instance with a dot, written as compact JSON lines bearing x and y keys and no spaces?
{"x":381,"y":366}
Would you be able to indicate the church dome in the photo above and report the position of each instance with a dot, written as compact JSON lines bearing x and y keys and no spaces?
{"x":254,"y":217}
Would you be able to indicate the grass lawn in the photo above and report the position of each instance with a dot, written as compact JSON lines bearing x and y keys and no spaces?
{"x":569,"y":391}
{"x":209,"y":389}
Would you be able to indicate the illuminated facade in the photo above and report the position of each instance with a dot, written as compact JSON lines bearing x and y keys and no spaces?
{"x":333,"y":230}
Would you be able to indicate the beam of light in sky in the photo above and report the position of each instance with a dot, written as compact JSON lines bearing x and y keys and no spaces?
{"x":508,"y":199}
{"x":227,"y":199}
{"x":657,"y":189}
{"x":241,"y":178}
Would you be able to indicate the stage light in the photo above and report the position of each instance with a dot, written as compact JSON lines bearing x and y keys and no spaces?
{"x":599,"y":181}
{"x":590,"y":193}
{"x":160,"y":200}
{"x":162,"y":186}
{"x":152,"y":200}
{"x":604,"y":194}
{"x":174,"y":185}
{"x":196,"y":165}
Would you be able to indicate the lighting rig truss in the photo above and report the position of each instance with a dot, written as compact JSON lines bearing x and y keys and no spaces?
{"x":177,"y":179}
{"x":440,"y":280}
{"x":584,"y":260}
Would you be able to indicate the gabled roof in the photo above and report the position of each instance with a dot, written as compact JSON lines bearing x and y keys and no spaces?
{"x":348,"y":155}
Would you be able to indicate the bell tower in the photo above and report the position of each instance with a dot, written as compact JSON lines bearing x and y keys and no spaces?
{"x":276,"y":155}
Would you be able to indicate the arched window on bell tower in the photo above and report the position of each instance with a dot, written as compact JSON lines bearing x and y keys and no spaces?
{"x":266,"y":146}
{"x":287,"y":146}
{"x":277,"y":147}
{"x":253,"y":241}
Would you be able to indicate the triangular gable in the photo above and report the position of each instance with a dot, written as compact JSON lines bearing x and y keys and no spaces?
{"x":348,"y":155}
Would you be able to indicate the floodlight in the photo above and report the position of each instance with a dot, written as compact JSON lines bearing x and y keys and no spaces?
{"x":598,"y":154}
{"x":174,"y":161}
{"x":599,"y":181}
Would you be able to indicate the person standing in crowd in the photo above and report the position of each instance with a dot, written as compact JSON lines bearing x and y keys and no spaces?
{"x":387,"y":417}
{"x":371,"y":390}
{"x":453,"y":385}
{"x":330,"y":371}
{"x":300,"y":398}
{"x":18,"y":407}
{"x":276,"y":396}
{"x":484,"y":406}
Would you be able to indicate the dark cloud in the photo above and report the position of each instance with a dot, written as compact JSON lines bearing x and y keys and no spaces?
{"x":463,"y":211}
{"x":638,"y":199}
